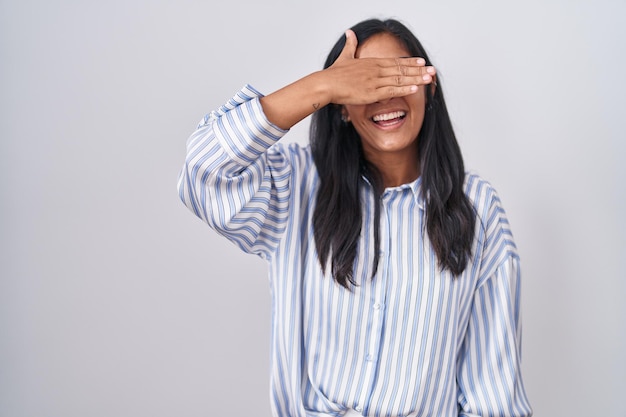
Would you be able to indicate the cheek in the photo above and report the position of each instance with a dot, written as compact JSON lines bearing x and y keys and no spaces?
{"x":354,"y":113}
{"x":419,"y":113}
{"x":360,"y":123}
{"x":418,"y":101}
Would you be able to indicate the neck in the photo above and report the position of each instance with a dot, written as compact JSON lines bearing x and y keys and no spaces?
{"x":396,"y":169}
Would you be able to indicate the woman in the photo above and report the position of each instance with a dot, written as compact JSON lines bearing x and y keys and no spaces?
{"x":394,"y":277}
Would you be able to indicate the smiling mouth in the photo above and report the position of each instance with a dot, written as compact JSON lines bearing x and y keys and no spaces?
{"x":387,"y":119}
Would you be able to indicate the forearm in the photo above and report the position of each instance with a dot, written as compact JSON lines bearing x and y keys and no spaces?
{"x":292,"y":103}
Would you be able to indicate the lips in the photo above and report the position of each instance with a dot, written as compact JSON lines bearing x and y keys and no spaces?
{"x":389,"y":119}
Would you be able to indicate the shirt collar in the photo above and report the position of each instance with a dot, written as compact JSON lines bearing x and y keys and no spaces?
{"x":415,"y":187}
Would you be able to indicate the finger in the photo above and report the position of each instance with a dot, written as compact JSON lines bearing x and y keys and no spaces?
{"x":407,"y":66}
{"x":407,"y":74}
{"x":412,"y":61}
{"x":388,"y":92}
{"x":349,"y":49}
{"x":402,"y":81}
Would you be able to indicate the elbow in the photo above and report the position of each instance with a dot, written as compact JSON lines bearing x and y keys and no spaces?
{"x":187,"y":193}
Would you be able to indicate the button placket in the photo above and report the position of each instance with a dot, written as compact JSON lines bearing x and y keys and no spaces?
{"x":380,"y":287}
{"x":378,"y":297}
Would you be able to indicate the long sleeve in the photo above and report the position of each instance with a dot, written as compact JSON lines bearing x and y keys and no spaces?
{"x":490,"y":381}
{"x":231,"y":181}
{"x":489,"y":360}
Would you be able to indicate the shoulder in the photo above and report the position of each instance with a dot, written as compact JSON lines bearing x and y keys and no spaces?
{"x":484,"y":198}
{"x":298,"y":157}
{"x":481,"y":193}
{"x":493,"y":229}
{"x":291,"y":151}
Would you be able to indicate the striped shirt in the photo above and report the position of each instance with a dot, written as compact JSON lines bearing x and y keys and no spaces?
{"x":411,"y":341}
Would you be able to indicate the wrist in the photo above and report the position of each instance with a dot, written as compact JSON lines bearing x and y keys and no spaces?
{"x":320,"y":88}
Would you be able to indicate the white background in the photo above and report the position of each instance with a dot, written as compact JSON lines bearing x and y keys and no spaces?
{"x":116,"y":301}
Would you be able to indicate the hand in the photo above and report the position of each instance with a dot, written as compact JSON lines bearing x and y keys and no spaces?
{"x":354,"y":80}
{"x":348,"y":81}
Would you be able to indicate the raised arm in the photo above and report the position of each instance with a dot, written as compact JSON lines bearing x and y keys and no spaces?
{"x":231,"y":182}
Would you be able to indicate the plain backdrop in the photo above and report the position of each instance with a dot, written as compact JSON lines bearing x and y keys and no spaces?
{"x":115,"y":301}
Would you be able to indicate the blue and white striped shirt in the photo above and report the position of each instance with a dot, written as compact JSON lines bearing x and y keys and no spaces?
{"x":412,"y":341}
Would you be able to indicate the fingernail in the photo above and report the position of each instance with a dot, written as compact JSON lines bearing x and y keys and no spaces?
{"x":421,"y":61}
{"x":426,"y":77}
{"x":430,"y":70}
{"x":413,"y":88}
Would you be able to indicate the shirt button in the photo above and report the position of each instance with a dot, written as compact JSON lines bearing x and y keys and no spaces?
{"x":369,"y":357}
{"x":376,"y":306}
{"x":358,"y":408}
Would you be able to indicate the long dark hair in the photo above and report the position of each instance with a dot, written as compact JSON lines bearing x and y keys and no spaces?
{"x":338,"y":156}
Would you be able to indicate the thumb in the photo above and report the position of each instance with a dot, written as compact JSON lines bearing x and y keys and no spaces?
{"x":349,"y":48}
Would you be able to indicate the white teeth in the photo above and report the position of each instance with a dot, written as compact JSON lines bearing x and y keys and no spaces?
{"x":388,"y":116}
